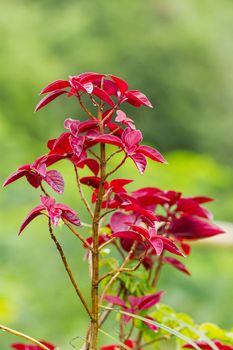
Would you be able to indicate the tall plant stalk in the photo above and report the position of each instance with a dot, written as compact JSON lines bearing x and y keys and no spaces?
{"x":133,"y":230}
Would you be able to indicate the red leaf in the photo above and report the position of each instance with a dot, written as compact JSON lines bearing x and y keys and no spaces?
{"x":92,"y":181}
{"x":131,"y":139}
{"x":102,"y":95}
{"x":171,"y":247}
{"x":122,"y":85}
{"x":186,"y":248}
{"x":151,"y":153}
{"x":49,"y":98}
{"x":109,"y":139}
{"x":141,"y":230}
{"x":32,"y":215}
{"x":122,"y":118}
{"x":177,"y":264}
{"x":120,"y":221}
{"x":92,"y":164}
{"x":56,"y":85}
{"x":202,"y":199}
{"x":140,"y":161}
{"x":191,"y":206}
{"x":119,"y":183}
{"x":61,"y":145}
{"x":15,"y":176}
{"x":19,"y":346}
{"x":157,"y":244}
{"x":193,"y":227}
{"x":146,"y":301}
{"x":115,"y":300}
{"x":137,"y":98}
{"x":128,"y":234}
{"x":34,"y":179}
{"x":70,"y":215}
{"x":55,"y":180}
{"x":89,"y":76}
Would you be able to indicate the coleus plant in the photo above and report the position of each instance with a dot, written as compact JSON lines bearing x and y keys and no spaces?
{"x":132,"y":231}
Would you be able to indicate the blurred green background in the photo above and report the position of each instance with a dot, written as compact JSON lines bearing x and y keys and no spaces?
{"x":179,"y":53}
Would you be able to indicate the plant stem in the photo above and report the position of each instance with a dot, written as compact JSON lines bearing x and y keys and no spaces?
{"x":82,"y":194}
{"x":114,"y":153}
{"x":106,"y":243}
{"x":108,"y":310}
{"x":123,"y":269}
{"x":68,"y":270}
{"x":25,"y":336}
{"x":117,"y":167}
{"x":77,"y":234}
{"x":95,"y":253}
{"x":153,"y":284}
{"x":85,"y":109}
{"x":157,"y":271}
{"x":43,"y":190}
{"x":114,"y":277}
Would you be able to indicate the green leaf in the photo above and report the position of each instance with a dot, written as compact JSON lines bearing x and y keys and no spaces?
{"x":160,"y":325}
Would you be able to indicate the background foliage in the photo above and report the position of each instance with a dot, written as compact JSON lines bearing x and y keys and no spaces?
{"x":180,"y":54}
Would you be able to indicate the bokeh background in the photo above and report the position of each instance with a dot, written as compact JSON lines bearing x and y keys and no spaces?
{"x":179,"y":53}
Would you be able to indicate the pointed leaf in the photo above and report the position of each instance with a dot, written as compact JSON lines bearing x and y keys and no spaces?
{"x":140,"y":162}
{"x":122,"y":85}
{"x":193,"y":227}
{"x":15,"y":176}
{"x":102,"y":95}
{"x":177,"y":264}
{"x":56,"y":85}
{"x":151,"y":153}
{"x":49,"y":98}
{"x":115,"y":300}
{"x":32,"y":215}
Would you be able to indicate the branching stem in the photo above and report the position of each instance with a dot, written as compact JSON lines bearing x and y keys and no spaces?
{"x":68,"y":270}
{"x":77,"y":234}
{"x":82,"y":194}
{"x":25,"y":336}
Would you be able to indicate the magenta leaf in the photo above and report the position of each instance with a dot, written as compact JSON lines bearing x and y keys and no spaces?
{"x":122,"y":118}
{"x":157,"y":244}
{"x":20,"y":346}
{"x":146,"y":301}
{"x":56,"y":85}
{"x":137,"y":98}
{"x":32,"y":215}
{"x":128,"y":234}
{"x":92,"y":164}
{"x":15,"y":176}
{"x":49,"y":98}
{"x":192,"y":206}
{"x":140,"y":162}
{"x":120,"y":221}
{"x":192,"y":227}
{"x":177,"y":264}
{"x":92,"y":181}
{"x":109,"y":139}
{"x":151,"y":153}
{"x":131,"y":139}
{"x":102,"y":95}
{"x":122,"y":85}
{"x":55,"y":180}
{"x":115,"y":300}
